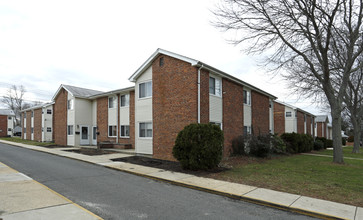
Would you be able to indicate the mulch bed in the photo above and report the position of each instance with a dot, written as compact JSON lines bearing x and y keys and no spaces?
{"x":90,"y":151}
{"x":166,"y":165}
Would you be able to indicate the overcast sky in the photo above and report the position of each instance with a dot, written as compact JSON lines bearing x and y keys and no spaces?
{"x":99,"y":44}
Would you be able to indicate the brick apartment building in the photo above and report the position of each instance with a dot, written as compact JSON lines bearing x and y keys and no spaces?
{"x":170,"y":92}
{"x":37,"y":123}
{"x":321,"y":126}
{"x":288,"y":119}
{"x":7,"y":119}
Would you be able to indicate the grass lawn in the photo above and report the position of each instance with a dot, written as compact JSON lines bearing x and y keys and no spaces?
{"x":347,"y":152}
{"x":305,"y":175}
{"x":19,"y":140}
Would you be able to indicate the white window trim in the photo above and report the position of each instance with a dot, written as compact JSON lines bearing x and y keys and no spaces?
{"x":220,"y":83}
{"x":152,"y":134}
{"x":126,"y":106}
{"x":216,"y":123}
{"x":68,"y":130}
{"x":124,"y":136}
{"x":249,"y":98}
{"x":108,"y":131}
{"x":288,"y":116}
{"x":138,"y":88}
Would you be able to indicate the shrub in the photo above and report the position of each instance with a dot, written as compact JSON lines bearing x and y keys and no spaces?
{"x":298,"y":143}
{"x":344,"y":141}
{"x":260,"y":146}
{"x":323,"y":139}
{"x":306,"y":143}
{"x":199,"y":146}
{"x":238,"y":146}
{"x":350,"y":138}
{"x":318,"y":145}
{"x":278,"y":144}
{"x":329,"y":143}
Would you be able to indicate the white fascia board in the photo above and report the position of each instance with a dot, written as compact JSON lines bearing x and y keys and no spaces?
{"x":149,"y":61}
{"x":56,"y":93}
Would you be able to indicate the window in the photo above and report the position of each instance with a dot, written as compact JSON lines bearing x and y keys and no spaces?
{"x":125,"y":131}
{"x":112,"y":102}
{"x":246,"y":97}
{"x":32,"y":130}
{"x":32,"y":114}
{"x":10,"y":118}
{"x":9,"y":129}
{"x":270,"y":105}
{"x":125,"y":100}
{"x":288,"y":114}
{"x":112,"y":131}
{"x":216,"y":123}
{"x":49,"y":111}
{"x":49,"y":129}
{"x":70,"y":104}
{"x":145,"y":90}
{"x":246,"y":130}
{"x":70,"y":129}
{"x":161,"y":61}
{"x":24,"y":130}
{"x":42,"y":129}
{"x":24,"y":115}
{"x":146,"y":129}
{"x":215,"y":86}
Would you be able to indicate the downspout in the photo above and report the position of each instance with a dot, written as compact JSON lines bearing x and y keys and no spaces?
{"x":117,"y":117}
{"x":199,"y":93}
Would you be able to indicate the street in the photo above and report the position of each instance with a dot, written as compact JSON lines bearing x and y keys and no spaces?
{"x":113,"y":194}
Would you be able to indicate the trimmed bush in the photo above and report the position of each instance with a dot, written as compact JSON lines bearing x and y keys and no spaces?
{"x":298,"y":143}
{"x":199,"y":146}
{"x":344,"y":141}
{"x":278,"y":144}
{"x":323,"y":139}
{"x":350,"y":138}
{"x":260,"y":146}
{"x":318,"y":145}
{"x":238,"y":146}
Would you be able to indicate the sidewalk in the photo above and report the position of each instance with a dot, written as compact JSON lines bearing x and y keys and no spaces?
{"x":286,"y":201}
{"x":21,"y":197}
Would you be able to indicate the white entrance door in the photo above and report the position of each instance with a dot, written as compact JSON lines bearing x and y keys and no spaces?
{"x":94,"y":135}
{"x":84,"y":135}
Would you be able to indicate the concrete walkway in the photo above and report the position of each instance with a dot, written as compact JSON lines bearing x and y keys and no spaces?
{"x":21,"y":197}
{"x":286,"y":201}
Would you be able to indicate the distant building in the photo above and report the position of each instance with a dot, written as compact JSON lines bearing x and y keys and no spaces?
{"x":321,"y":126}
{"x":7,"y":118}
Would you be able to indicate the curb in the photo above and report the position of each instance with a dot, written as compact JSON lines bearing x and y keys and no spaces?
{"x":221,"y":193}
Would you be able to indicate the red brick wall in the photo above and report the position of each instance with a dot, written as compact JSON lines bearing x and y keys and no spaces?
{"x":204,"y":96}
{"x":3,"y":125}
{"x":308,"y":124}
{"x":279,"y":118}
{"x":102,"y":120}
{"x":260,"y":113}
{"x":232,"y":113}
{"x":300,"y":122}
{"x":319,"y":129}
{"x":174,"y":102}
{"x":38,"y":124}
{"x":60,"y":118}
{"x":28,"y":125}
{"x":132,"y":118}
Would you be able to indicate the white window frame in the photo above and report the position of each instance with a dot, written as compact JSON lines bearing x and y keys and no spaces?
{"x":70,"y":104}
{"x":70,"y":130}
{"x":246,"y":94}
{"x":113,"y":131}
{"x":216,"y":87}
{"x":113,"y":102}
{"x":127,"y":100}
{"x":32,"y":130}
{"x":148,"y":85}
{"x":146,"y":123}
{"x":126,"y":128}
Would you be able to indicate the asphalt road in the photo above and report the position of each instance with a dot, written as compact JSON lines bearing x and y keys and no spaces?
{"x":114,"y":194}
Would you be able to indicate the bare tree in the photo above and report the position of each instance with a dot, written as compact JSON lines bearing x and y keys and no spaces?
{"x":353,"y":100}
{"x":14,"y":99}
{"x":307,"y":32}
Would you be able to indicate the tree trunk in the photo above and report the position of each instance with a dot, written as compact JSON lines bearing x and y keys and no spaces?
{"x":357,"y":133}
{"x":337,"y":137}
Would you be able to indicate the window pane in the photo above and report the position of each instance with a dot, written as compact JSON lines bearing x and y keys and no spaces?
{"x":244,"y":96}
{"x":127,"y":131}
{"x":142,"y":90}
{"x":218,"y":87}
{"x":212,"y":85}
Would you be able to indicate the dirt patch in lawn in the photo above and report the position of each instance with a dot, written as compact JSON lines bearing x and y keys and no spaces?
{"x":167,"y":165}
{"x":90,"y":151}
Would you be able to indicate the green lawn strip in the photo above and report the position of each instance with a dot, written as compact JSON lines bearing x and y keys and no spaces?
{"x":19,"y":140}
{"x":312,"y":176}
{"x":347,"y":152}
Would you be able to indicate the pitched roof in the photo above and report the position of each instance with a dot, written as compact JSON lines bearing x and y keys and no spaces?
{"x":7,"y":112}
{"x":195,"y":63}
{"x":77,"y":91}
{"x":321,"y":118}
{"x":38,"y":106}
{"x":293,"y":107}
